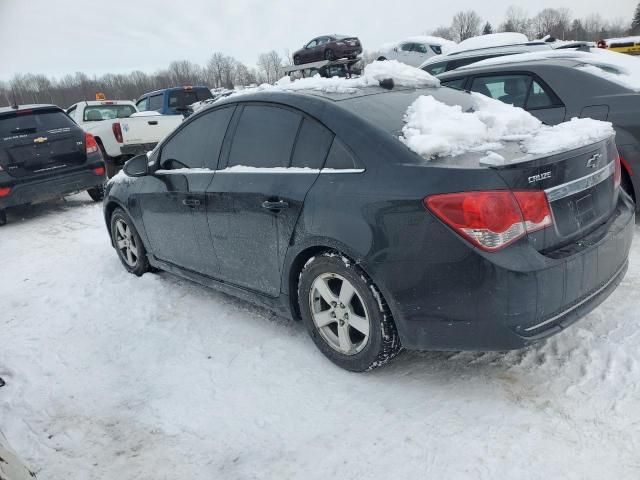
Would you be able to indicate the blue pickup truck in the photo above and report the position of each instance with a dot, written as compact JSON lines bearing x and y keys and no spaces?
{"x":173,"y":101}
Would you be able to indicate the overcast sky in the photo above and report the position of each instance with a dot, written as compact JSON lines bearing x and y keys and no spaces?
{"x":56,"y":37}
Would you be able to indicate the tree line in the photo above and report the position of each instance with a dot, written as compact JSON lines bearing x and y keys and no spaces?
{"x":223,"y":71}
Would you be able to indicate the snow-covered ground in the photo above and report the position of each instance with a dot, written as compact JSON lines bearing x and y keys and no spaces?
{"x":110,"y":376}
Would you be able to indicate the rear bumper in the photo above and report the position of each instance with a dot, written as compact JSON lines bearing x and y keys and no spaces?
{"x":347,"y":51}
{"x":137,"y":149}
{"x":479,"y":301}
{"x":25,"y":191}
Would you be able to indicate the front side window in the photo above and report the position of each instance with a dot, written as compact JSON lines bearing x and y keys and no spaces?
{"x":264,"y":137}
{"x":143,"y":105}
{"x":457,"y":83}
{"x":198,"y":143}
{"x":419,"y":48}
{"x":406,"y":47}
{"x":436,"y":68}
{"x":538,"y":97}
{"x":155,"y":103}
{"x":511,"y":89}
{"x":312,"y":44}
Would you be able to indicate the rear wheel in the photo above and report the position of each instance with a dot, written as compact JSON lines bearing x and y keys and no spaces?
{"x":345,"y":314}
{"x":381,"y":59}
{"x":3,"y":218}
{"x":329,"y":55}
{"x":128,"y":244}
{"x":96,"y":193}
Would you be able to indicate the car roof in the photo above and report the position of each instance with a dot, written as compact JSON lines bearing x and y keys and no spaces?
{"x":173,"y":89}
{"x":471,"y":69}
{"x":93,"y":103}
{"x":33,"y":106}
{"x":478,"y":52}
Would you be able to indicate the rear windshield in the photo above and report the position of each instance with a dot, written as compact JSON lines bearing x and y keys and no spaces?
{"x":184,"y":98}
{"x":96,"y":113}
{"x":13,"y":124}
{"x":387,"y":110}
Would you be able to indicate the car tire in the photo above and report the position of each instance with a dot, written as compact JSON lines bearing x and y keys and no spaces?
{"x":296,"y":60}
{"x":96,"y":193}
{"x":381,"y":59}
{"x":329,"y":55}
{"x":356,"y":345}
{"x":128,"y":243}
{"x":3,"y":218}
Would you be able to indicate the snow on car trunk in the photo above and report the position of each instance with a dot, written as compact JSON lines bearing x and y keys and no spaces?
{"x":114,"y":376}
{"x":433,"y":129}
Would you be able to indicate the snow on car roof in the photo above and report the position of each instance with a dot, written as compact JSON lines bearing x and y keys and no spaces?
{"x":613,"y":66}
{"x":622,"y":40}
{"x":490,"y":40}
{"x":446,"y":45}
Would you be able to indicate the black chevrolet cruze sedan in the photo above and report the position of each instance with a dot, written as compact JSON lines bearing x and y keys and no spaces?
{"x":308,"y":203}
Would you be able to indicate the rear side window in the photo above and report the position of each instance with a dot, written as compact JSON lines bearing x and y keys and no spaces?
{"x":155,"y":103}
{"x":511,"y":89}
{"x":312,"y":145}
{"x":41,"y":121}
{"x":339,"y":157}
{"x":198,"y":143}
{"x":538,"y":97}
{"x":264,"y":137}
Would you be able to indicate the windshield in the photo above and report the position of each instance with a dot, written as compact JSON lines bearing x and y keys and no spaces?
{"x":96,"y":113}
{"x":15,"y":124}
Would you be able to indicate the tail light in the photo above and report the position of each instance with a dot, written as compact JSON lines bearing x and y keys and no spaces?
{"x":617,"y":173}
{"x":117,"y":131}
{"x":4,"y":191}
{"x":494,"y":219}
{"x":602,"y":44}
{"x":99,"y":171}
{"x":90,"y":143}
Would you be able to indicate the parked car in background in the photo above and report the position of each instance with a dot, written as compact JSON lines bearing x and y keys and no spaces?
{"x":451,"y":61}
{"x":628,"y":45}
{"x":415,"y":50}
{"x":328,"y":47}
{"x":43,"y":155}
{"x":174,"y":100}
{"x":373,"y":246}
{"x":119,"y":130}
{"x":11,"y":467}
{"x":545,"y":84}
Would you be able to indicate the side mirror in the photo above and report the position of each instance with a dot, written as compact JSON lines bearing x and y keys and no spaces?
{"x":137,"y":166}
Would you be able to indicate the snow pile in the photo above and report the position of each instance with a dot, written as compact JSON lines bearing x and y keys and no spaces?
{"x":490,"y":40}
{"x":487,"y":126}
{"x":146,"y":113}
{"x":616,"y":67}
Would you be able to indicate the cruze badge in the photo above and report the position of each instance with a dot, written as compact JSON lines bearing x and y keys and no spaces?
{"x":593,"y":161}
{"x":40,"y":140}
{"x":540,"y":176}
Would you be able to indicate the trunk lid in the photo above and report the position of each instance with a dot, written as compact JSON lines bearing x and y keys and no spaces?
{"x":579,"y":185}
{"x":38,"y":141}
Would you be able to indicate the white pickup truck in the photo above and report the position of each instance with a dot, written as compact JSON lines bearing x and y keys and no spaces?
{"x":120,"y":130}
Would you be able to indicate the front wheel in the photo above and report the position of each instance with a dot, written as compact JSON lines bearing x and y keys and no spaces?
{"x":128,"y":244}
{"x":345,"y":314}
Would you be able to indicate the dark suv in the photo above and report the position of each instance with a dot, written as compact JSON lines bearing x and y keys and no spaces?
{"x":43,"y":155}
{"x":328,"y":47}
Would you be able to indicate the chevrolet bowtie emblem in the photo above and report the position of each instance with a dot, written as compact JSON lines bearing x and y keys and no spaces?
{"x":40,"y":140}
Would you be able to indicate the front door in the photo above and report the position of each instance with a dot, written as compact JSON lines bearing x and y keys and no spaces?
{"x":172,"y":199}
{"x":253,"y":204}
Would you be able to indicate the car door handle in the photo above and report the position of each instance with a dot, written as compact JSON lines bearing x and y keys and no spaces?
{"x":274,"y":204}
{"x":152,"y":122}
{"x":191,"y":202}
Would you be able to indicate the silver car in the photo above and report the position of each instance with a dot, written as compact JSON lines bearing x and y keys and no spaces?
{"x":415,"y":50}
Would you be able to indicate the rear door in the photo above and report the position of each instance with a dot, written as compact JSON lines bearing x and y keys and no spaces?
{"x":253,"y":204}
{"x":172,"y":200}
{"x":39,"y":141}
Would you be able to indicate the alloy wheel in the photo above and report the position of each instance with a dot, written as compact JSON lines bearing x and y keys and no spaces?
{"x":126,"y":243}
{"x":339,"y":313}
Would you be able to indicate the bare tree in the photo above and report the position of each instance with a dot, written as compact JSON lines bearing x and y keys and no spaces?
{"x":465,"y":25}
{"x":443,"y":32}
{"x":270,"y":65}
{"x":516,"y":20}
